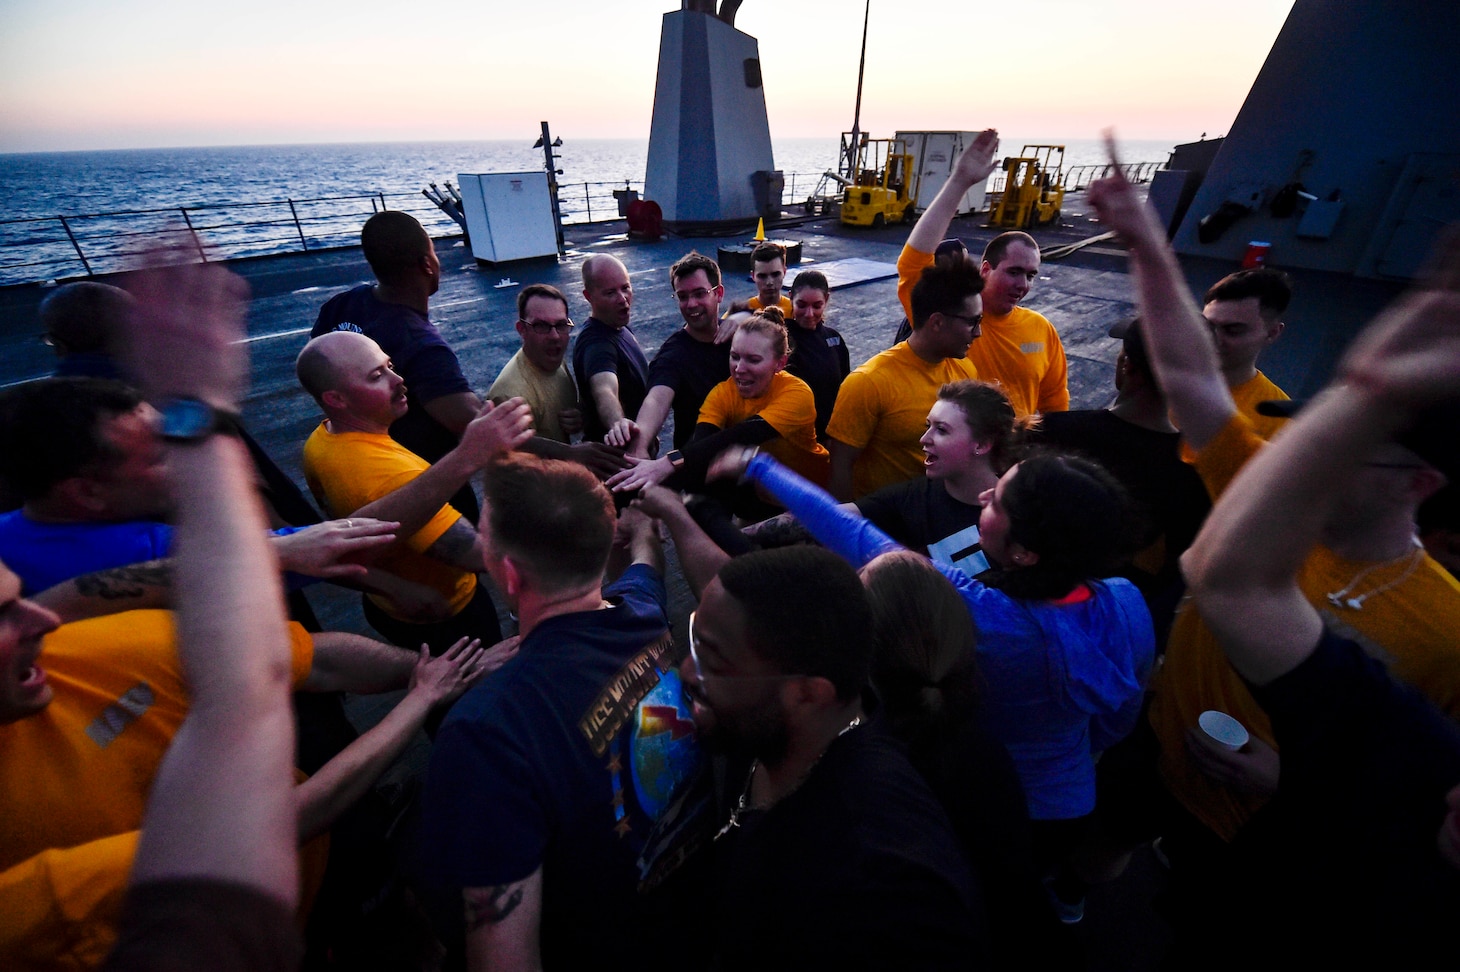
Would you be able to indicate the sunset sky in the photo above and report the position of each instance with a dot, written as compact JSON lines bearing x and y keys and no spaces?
{"x":88,"y":74}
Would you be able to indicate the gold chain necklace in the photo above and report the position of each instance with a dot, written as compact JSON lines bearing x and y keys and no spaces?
{"x":1341,"y":598}
{"x":743,"y":803}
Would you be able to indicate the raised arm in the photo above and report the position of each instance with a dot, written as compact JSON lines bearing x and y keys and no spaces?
{"x":699,"y":557}
{"x":638,"y":435}
{"x":1243,"y":566}
{"x":841,"y":529}
{"x":972,"y":167}
{"x":1183,"y":355}
{"x":222,"y":805}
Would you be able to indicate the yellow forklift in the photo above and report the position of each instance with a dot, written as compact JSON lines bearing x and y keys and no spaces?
{"x":1034,"y":189}
{"x":882,"y":184}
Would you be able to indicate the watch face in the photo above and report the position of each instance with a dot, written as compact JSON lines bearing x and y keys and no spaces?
{"x":186,"y":418}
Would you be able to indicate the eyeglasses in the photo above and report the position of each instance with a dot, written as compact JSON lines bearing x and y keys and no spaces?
{"x":702,"y":675}
{"x":564,"y":326}
{"x":972,"y":321}
{"x":684,"y":295}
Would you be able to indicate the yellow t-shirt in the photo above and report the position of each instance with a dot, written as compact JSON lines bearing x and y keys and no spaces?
{"x":1259,"y":388}
{"x":910,"y":266}
{"x":882,"y":409}
{"x":784,"y":305}
{"x":59,"y":909}
{"x":81,"y":768}
{"x":1410,"y":627}
{"x":1022,"y":352}
{"x":547,"y":395}
{"x":789,"y":407}
{"x":348,"y":470}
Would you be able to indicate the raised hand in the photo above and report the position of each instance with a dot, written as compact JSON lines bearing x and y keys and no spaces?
{"x":977,"y":160}
{"x":731,"y":463}
{"x":1120,"y":207}
{"x":186,"y":332}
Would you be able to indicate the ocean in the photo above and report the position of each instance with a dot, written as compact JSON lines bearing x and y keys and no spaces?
{"x":237,"y":198}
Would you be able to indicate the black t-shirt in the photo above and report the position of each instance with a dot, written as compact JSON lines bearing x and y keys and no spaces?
{"x":820,"y":358}
{"x":858,"y":868}
{"x":599,"y":348}
{"x":1344,"y":857}
{"x":920,"y":515}
{"x":691,"y":368}
{"x":1168,"y":492}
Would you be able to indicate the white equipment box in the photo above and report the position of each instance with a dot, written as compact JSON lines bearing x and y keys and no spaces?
{"x":509,"y":215}
{"x":933,"y":156}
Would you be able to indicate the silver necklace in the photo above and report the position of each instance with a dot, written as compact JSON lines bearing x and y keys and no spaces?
{"x":1341,"y":598}
{"x":743,"y":803}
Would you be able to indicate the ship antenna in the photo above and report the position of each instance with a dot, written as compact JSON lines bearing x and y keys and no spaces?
{"x":857,"y":114}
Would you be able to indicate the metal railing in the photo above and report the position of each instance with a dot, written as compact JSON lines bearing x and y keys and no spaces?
{"x":1077,"y":177}
{"x":40,"y":248}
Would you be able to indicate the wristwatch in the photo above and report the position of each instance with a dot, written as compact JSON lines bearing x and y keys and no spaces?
{"x":675,"y":457}
{"x":189,"y":420}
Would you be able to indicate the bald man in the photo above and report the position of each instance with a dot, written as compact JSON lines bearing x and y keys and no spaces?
{"x":612,"y":372}
{"x":355,"y":468}
{"x":394,"y":312}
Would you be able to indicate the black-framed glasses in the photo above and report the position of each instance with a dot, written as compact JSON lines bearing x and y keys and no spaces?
{"x":972,"y":321}
{"x":565,"y":326}
{"x":684,"y":295}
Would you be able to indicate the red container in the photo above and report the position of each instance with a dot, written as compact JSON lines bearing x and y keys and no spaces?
{"x":1256,"y":255}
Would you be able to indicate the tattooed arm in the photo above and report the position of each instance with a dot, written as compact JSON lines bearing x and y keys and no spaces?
{"x":502,"y":926}
{"x":130,"y":588}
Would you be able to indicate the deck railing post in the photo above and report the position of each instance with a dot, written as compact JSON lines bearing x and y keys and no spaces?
{"x":303,"y":245}
{"x":588,"y":202}
{"x":72,"y":237}
{"x":383,"y":206}
{"x":193,"y":233}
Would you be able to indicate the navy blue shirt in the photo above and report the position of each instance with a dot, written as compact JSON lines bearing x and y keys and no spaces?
{"x":564,"y":759}
{"x":599,"y":348}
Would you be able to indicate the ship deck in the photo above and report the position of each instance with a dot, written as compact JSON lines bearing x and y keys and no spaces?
{"x":1081,"y":294}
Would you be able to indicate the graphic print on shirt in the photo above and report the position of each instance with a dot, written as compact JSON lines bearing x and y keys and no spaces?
{"x":963,"y":550}
{"x":647,"y":696}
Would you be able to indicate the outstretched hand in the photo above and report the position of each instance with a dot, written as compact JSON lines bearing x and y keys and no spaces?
{"x":641,"y":473}
{"x":332,"y":549}
{"x":185,"y":335}
{"x":657,"y":502}
{"x":498,"y":429}
{"x":1410,"y":353}
{"x":1120,"y":207}
{"x":731,"y":463}
{"x":599,"y":458}
{"x":622,"y":434}
{"x":443,"y":679}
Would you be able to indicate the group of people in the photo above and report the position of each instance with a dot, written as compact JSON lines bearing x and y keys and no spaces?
{"x":945,"y":671}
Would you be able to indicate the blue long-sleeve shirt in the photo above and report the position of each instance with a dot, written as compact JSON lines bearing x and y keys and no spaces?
{"x":1064,"y":680}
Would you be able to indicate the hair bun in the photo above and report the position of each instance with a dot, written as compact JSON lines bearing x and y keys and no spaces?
{"x":773,"y":314}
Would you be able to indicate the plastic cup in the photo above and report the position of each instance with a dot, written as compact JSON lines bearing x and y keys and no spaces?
{"x":1223,"y":729}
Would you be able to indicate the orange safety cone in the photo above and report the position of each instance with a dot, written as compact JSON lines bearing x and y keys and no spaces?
{"x":760,"y":230}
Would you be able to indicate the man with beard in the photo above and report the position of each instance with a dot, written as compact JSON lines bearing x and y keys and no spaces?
{"x":833,"y":850}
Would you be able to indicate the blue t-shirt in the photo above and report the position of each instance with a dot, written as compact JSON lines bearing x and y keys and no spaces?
{"x":598,"y":349}
{"x":1063,"y":681}
{"x":418,"y":353}
{"x":564,"y":760}
{"x":43,"y":555}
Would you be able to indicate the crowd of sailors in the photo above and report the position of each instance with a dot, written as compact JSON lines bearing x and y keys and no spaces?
{"x":956,"y":654}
